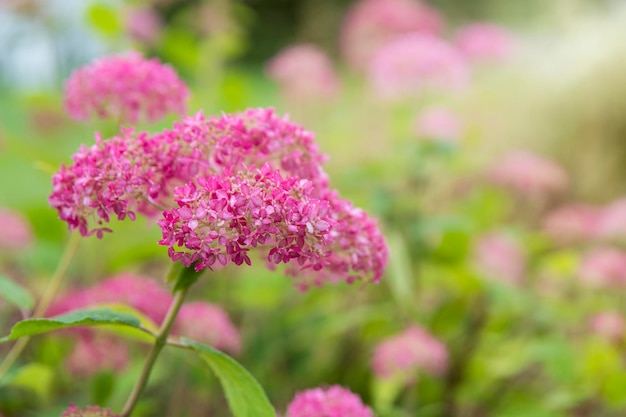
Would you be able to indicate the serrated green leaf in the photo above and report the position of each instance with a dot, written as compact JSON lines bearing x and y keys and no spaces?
{"x":245,"y":395}
{"x":15,"y":294}
{"x":91,"y":317}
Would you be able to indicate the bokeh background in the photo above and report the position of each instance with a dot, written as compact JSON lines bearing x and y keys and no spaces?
{"x":496,"y":170}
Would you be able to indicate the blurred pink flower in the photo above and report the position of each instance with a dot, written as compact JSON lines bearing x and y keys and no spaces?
{"x":304,"y":72}
{"x":125,"y":88}
{"x":207,"y":323}
{"x":334,"y":401}
{"x":604,"y":267}
{"x":371,"y":23}
{"x":501,"y":258}
{"x":408,"y":353}
{"x":528,"y":174}
{"x":574,"y":223}
{"x":16,"y":233}
{"x":438,"y":123}
{"x":609,"y":325}
{"x":94,"y":353}
{"x":143,"y":24}
{"x":415,"y":63}
{"x":485,"y":42}
{"x":89,"y":411}
{"x":141,"y":293}
{"x":613,"y":221}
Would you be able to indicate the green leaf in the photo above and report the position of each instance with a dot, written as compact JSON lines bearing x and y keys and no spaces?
{"x":91,"y":317}
{"x":245,"y":395}
{"x":35,"y":377}
{"x":186,"y":278}
{"x":15,"y":294}
{"x":104,"y":19}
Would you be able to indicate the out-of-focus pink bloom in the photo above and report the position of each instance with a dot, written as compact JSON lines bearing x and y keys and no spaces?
{"x":207,"y":323}
{"x":141,"y":293}
{"x":574,"y":223}
{"x":143,"y":24}
{"x":528,"y":174}
{"x":89,"y":411}
{"x":438,"y":123}
{"x":304,"y":72}
{"x":485,"y":42}
{"x":604,"y":267}
{"x":415,"y":63}
{"x":15,"y":233}
{"x":609,"y":325}
{"x":125,"y":88}
{"x":94,"y":353}
{"x":613,"y":221}
{"x":501,"y":258}
{"x":408,"y":353}
{"x":371,"y":23}
{"x":334,"y":401}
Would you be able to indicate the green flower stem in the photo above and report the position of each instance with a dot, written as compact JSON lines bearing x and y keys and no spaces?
{"x":161,"y":340}
{"x":44,"y":303}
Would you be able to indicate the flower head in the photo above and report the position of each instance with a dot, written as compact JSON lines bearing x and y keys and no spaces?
{"x":207,"y":323}
{"x":574,"y":223}
{"x":414,"y":63}
{"x":89,"y":411}
{"x":334,"y":401}
{"x":528,"y":174}
{"x":484,"y":42}
{"x":609,"y":325}
{"x":438,"y":123}
{"x":304,"y":72}
{"x":93,"y":353}
{"x":371,"y":23}
{"x":501,"y":257}
{"x":125,"y":88}
{"x":143,"y":24}
{"x":604,"y":267}
{"x":407,"y":353}
{"x":16,"y":232}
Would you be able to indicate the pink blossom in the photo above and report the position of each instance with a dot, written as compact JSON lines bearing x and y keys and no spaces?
{"x":415,"y":63}
{"x":16,"y":232}
{"x":528,"y":174}
{"x":609,"y":325}
{"x":407,"y":353}
{"x":438,"y":123}
{"x":500,"y":257}
{"x":485,"y":42}
{"x":371,"y":23}
{"x":89,"y":411}
{"x":604,"y":267}
{"x":613,"y":221}
{"x":125,"y":88}
{"x":207,"y":323}
{"x":94,"y":353}
{"x":141,"y":293}
{"x":143,"y":24}
{"x":334,"y":401}
{"x":304,"y":72}
{"x":574,"y":223}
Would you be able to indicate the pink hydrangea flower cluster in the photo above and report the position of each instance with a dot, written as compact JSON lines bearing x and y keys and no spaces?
{"x":406,"y":354}
{"x":370,"y":24}
{"x":604,"y":267}
{"x":334,"y":401}
{"x":485,"y":42}
{"x":415,"y":63}
{"x":574,"y":223}
{"x":501,"y":258}
{"x":609,"y":325}
{"x":143,"y":24}
{"x":225,"y":185}
{"x":304,"y":72}
{"x":528,"y":174}
{"x":93,"y":353}
{"x":16,"y":231}
{"x":125,"y":88}
{"x":89,"y":411}
{"x":438,"y":123}
{"x":207,"y":323}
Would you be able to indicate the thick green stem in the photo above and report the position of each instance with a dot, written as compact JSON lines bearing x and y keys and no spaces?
{"x":161,"y":340}
{"x":44,"y":303}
